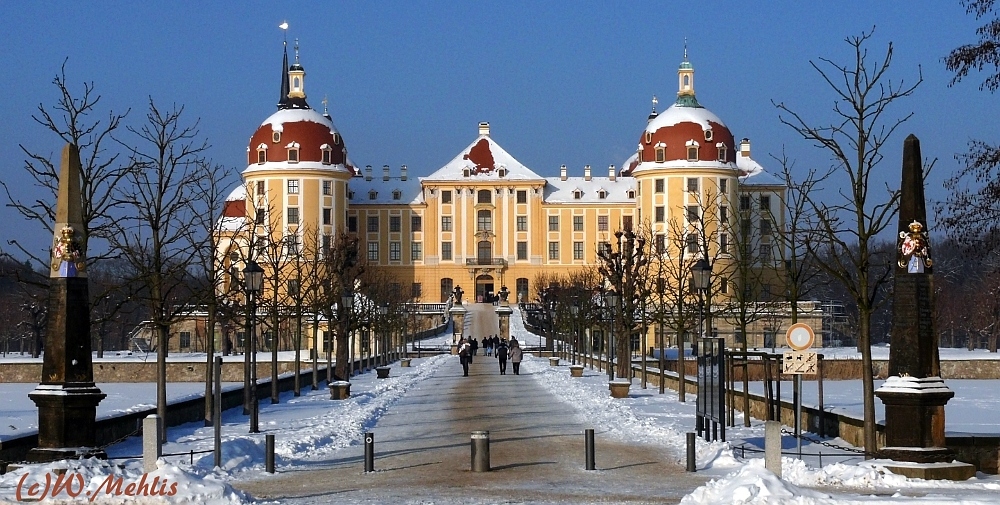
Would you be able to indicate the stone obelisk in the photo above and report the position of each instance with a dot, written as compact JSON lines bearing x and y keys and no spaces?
{"x":914,"y":394}
{"x":67,"y":397}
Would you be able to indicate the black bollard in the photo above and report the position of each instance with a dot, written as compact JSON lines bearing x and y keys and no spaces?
{"x":269,"y":456}
{"x":369,"y":452}
{"x":691,"y":466}
{"x":480,"y":451}
{"x":588,"y":436}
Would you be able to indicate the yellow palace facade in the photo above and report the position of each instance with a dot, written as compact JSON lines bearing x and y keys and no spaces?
{"x":485,"y":220}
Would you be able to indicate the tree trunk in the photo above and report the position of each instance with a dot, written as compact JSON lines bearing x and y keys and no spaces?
{"x":161,"y":378}
{"x":209,"y":364}
{"x":867,"y":378}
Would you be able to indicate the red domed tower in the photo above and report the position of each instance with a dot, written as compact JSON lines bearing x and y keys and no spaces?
{"x":294,"y":192}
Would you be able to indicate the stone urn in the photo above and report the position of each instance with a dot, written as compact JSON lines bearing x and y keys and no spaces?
{"x":382,"y":372}
{"x":340,"y":390}
{"x":619,"y":388}
{"x":553,"y":361}
{"x":404,"y":362}
{"x":577,"y":371}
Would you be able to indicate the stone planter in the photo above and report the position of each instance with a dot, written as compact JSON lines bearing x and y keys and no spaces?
{"x":382,"y":372}
{"x":404,"y":362}
{"x":619,"y":389}
{"x":340,"y":390}
{"x":576,"y":370}
{"x":553,"y":361}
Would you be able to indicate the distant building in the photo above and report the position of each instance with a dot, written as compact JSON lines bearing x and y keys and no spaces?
{"x":485,"y":220}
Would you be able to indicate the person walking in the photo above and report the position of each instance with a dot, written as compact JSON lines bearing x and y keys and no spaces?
{"x":515,"y":356}
{"x":475,"y":346}
{"x":488,"y":345}
{"x":465,"y":356}
{"x":501,"y":351}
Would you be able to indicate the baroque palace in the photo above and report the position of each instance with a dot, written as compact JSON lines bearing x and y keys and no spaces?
{"x":485,"y":220}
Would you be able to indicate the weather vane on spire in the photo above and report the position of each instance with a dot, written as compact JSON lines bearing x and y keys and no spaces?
{"x":655,"y":101}
{"x":296,"y":50}
{"x":685,"y":48}
{"x":284,"y":30}
{"x":325,"y":101}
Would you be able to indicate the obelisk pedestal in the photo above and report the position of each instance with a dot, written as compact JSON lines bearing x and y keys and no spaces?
{"x":67,"y":397}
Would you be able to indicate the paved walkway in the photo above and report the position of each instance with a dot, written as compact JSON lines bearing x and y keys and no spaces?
{"x":423,"y":455}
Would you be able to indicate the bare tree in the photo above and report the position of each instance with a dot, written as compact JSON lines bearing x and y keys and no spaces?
{"x":625,"y":268}
{"x":70,"y":119}
{"x":157,"y":236}
{"x":864,"y":92}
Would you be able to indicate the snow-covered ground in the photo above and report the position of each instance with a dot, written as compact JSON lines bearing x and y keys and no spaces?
{"x":310,"y":428}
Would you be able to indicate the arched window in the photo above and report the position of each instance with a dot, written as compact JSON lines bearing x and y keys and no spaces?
{"x":521,"y":289}
{"x":483,"y":196}
{"x":484,"y":220}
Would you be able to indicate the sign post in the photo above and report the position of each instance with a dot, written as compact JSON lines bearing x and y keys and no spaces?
{"x":799,"y":337}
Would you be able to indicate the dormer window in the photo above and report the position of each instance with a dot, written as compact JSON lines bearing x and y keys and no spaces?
{"x":577,"y":194}
{"x":276,"y":137}
{"x":692,"y":150}
{"x":465,"y":172}
{"x":722,"y":152}
{"x":336,"y":138}
{"x":372,"y":195}
{"x":262,"y":153}
{"x":631,"y":193}
{"x":602,"y":194}
{"x":502,"y":173}
{"x":660,"y":152}
{"x":293,"y":152}
{"x":327,"y":153}
{"x":350,"y":195}
{"x":708,"y":135}
{"x":396,"y":194}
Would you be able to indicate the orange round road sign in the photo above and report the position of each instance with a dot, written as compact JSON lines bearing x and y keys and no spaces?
{"x":800,"y":336}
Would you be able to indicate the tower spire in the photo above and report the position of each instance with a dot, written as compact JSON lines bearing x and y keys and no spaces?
{"x":685,"y":82}
{"x":283,"y":99}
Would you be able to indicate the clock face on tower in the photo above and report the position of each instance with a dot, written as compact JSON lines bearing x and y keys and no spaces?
{"x":800,"y":336}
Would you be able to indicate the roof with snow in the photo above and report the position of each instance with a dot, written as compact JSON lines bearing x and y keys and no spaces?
{"x":379,"y":191}
{"x":484,"y":159}
{"x":753,"y":174}
{"x":597,"y":190}
{"x":676,"y":114}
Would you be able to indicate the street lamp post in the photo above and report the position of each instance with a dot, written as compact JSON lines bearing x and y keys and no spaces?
{"x":611,"y":298}
{"x":253,"y":276}
{"x":575,"y":311}
{"x":383,"y":311}
{"x":346,"y":307}
{"x":702,"y":273}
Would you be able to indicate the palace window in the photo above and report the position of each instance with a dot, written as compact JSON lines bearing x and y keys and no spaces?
{"x":445,"y":223}
{"x":327,"y":216}
{"x":262,"y":155}
{"x":522,"y":251}
{"x":275,"y":137}
{"x":602,"y":223}
{"x":553,"y":251}
{"x":692,"y":184}
{"x":484,"y":220}
{"x":522,"y":196}
{"x":693,"y":214}
{"x":744,"y":202}
{"x":447,"y":286}
{"x":722,"y":153}
{"x":293,"y":215}
{"x":765,"y":203}
{"x":660,"y":214}
{"x":395,"y":224}
{"x":658,"y":186}
{"x":483,"y":196}
{"x":708,"y":134}
{"x":660,"y":243}
{"x":578,"y":250}
{"x":577,"y":223}
{"x":373,"y":195}
{"x":327,"y":188}
{"x":327,"y":153}
{"x":626,"y":222}
{"x":373,"y":251}
{"x":692,"y":243}
{"x":372,"y":224}
{"x":293,"y":186}
{"x":692,"y":153}
{"x":661,"y":155}
{"x":446,"y":196}
{"x":723,"y":186}
{"x":260,"y":188}
{"x":352,"y":224}
{"x":395,"y":251}
{"x":416,"y":224}
{"x":522,"y":223}
{"x":396,"y":194}
{"x":416,"y":251}
{"x":724,"y":243}
{"x":293,"y":152}
{"x":446,"y":251}
{"x":185,"y":339}
{"x":553,"y":223}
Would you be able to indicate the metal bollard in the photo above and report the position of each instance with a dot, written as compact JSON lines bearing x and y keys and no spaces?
{"x":480,"y":451}
{"x":691,"y":464}
{"x":588,"y":436}
{"x":269,"y":455}
{"x":369,"y":452}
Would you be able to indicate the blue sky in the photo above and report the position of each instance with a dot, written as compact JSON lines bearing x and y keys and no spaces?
{"x":560,"y":82}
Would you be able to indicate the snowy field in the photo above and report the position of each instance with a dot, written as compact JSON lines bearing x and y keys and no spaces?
{"x":310,"y":428}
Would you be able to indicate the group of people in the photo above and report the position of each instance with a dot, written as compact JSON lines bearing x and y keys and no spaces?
{"x":494,"y":346}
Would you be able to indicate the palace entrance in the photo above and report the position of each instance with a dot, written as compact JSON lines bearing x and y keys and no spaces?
{"x":484,"y":288}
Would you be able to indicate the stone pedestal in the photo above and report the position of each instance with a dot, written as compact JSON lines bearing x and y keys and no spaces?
{"x":503,"y":313}
{"x":382,"y":372}
{"x":340,"y":390}
{"x":619,"y":389}
{"x":405,"y":362}
{"x":458,"y":319}
{"x":576,"y":370}
{"x":67,"y":398}
{"x":914,"y":419}
{"x":553,"y":361}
